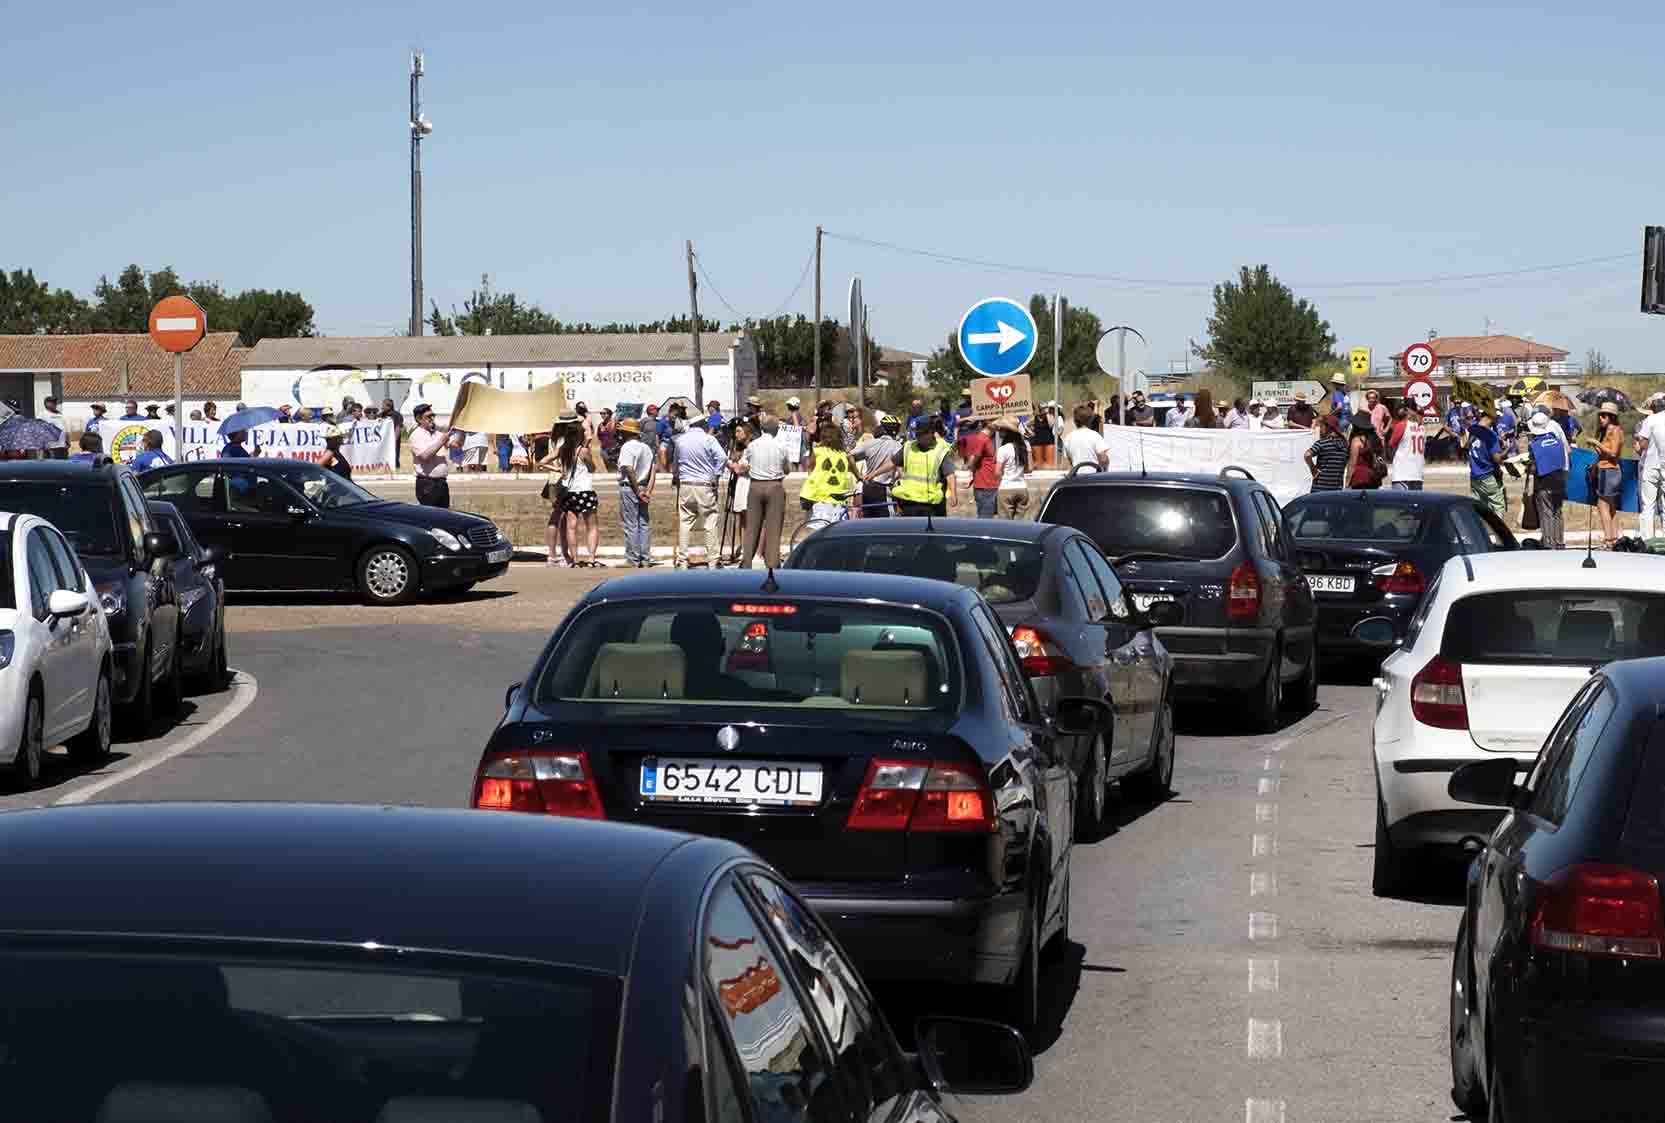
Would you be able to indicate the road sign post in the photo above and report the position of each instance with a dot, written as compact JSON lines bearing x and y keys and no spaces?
{"x":997,"y":337}
{"x":858,"y":337}
{"x":177,"y":324}
{"x":1112,"y":360}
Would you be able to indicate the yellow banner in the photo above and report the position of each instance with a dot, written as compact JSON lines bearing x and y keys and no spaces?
{"x":1462,"y":390}
{"x":485,"y":409}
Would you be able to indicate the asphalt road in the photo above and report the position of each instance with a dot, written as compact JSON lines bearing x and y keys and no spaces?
{"x":1227,"y":960}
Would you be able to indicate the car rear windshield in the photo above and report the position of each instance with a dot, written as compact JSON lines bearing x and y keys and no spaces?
{"x":1555,"y":626}
{"x":1004,"y":572}
{"x":1393,"y":523}
{"x":1193,"y":523}
{"x":789,"y":654}
{"x":83,"y":511}
{"x":230,"y":1037}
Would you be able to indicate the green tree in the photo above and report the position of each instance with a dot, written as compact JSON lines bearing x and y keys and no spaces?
{"x":1260,"y":330}
{"x":500,"y":313}
{"x":31,"y":307}
{"x":125,"y":305}
{"x":254,"y":314}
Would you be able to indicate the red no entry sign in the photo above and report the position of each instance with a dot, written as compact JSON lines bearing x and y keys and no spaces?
{"x":177,"y":324}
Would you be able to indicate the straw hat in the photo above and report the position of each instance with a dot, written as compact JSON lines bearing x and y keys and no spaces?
{"x":629,"y":425}
{"x":333,"y":433}
{"x":1007,"y":423}
{"x":1608,"y":408}
{"x":1338,"y":379}
{"x":1554,"y":399}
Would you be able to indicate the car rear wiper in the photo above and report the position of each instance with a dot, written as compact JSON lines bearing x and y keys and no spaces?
{"x":1148,"y":555}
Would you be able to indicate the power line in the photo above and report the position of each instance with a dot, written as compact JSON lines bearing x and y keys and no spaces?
{"x":712,"y":285}
{"x":802,"y":277}
{"x":1168,"y":283}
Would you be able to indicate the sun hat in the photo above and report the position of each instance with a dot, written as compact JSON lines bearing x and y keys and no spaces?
{"x":629,"y":425}
{"x":754,"y":400}
{"x":791,"y":403}
{"x":567,"y":419}
{"x":1542,"y":423}
{"x":333,"y":433}
{"x":1007,"y":423}
{"x":1338,"y":379}
{"x":1607,"y":407}
{"x":1300,"y":396}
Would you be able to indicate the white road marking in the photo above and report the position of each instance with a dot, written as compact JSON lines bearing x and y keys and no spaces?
{"x":1264,"y":845}
{"x":1265,"y":1039}
{"x":243,"y":691}
{"x":1262,"y":1111}
{"x":1266,"y":812}
{"x":1263,"y":884}
{"x":1267,"y":786}
{"x":1283,"y":743}
{"x":1263,"y":976}
{"x":1263,"y":926}
{"x":1270,"y":765}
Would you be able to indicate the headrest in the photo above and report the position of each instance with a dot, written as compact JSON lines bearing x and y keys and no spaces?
{"x":143,"y":1102}
{"x":1585,"y":633}
{"x":451,"y":1109}
{"x":698,"y":632}
{"x":884,"y":678}
{"x":640,"y":670}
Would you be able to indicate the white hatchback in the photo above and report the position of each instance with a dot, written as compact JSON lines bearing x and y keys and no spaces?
{"x":54,"y":651}
{"x":1497,"y":649}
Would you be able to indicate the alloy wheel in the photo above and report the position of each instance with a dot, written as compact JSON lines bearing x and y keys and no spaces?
{"x":387,"y":574}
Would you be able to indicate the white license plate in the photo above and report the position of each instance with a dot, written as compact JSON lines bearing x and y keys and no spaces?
{"x":1143,"y":601}
{"x":769,"y":784}
{"x":1323,"y":583}
{"x":502,"y":555}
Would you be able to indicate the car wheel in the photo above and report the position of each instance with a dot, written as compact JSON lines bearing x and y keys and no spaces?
{"x":172,"y":692}
{"x":92,"y":744}
{"x":1023,"y":993}
{"x":1499,"y":1108}
{"x":1395,"y":869}
{"x":1156,"y":783}
{"x":222,"y":671}
{"x":1264,"y":702}
{"x":26,"y":766}
{"x":1302,"y":696}
{"x":387,"y":575}
{"x":1061,"y":938}
{"x":1091,"y":797}
{"x":213,"y":680}
{"x":141,"y":710}
{"x":1466,"y":1092}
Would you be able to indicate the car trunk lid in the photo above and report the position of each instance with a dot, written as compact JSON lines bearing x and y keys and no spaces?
{"x":1511,"y":707}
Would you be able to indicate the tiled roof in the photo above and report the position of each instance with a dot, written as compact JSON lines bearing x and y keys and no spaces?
{"x":897,"y":355}
{"x":1494,"y":348}
{"x":468,"y":350}
{"x":92,"y":365}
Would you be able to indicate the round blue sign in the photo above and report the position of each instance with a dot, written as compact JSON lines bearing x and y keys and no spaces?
{"x":997,"y":337}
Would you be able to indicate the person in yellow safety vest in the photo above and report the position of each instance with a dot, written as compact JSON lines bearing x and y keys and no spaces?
{"x":831,"y":478}
{"x":926,"y":485}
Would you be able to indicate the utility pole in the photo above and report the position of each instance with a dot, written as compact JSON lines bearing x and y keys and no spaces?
{"x":1057,"y":340}
{"x":817,"y":312}
{"x":420,"y":127}
{"x":694,"y":327}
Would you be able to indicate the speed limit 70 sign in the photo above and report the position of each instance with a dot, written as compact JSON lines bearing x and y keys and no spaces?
{"x":1418,"y":360}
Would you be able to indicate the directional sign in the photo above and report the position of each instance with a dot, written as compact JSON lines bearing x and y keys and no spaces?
{"x":997,"y":337}
{"x":177,"y":324}
{"x":1359,"y":359}
{"x":1418,"y":360}
{"x":1283,"y":392}
{"x":1420,"y":393}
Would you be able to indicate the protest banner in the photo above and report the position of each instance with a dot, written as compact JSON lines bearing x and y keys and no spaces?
{"x":1273,"y":456}
{"x":368,"y":446}
{"x":996,"y":397}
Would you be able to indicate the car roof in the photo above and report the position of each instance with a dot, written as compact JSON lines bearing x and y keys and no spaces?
{"x":17,"y":519}
{"x":939,"y":596}
{"x":236,"y":462}
{"x":56,"y":470}
{"x":1389,"y":497}
{"x":1193,"y":479}
{"x":994,"y":530}
{"x":1643,"y":679}
{"x":468,"y":882}
{"x":1511,"y":569}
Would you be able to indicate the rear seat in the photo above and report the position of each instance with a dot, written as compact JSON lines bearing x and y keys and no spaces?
{"x":884,"y":678}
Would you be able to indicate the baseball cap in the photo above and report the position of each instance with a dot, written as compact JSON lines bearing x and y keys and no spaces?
{"x":418,"y":410}
{"x":653,"y":407}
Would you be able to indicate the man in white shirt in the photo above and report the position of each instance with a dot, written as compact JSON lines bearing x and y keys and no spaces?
{"x":60,"y":449}
{"x":699,"y":463}
{"x":1182,"y":412}
{"x":428,"y":444}
{"x":1650,"y":481}
{"x":1084,"y":445}
{"x":636,"y":472}
{"x":765,"y":462}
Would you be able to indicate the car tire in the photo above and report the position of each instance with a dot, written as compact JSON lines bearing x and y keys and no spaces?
{"x":1466,"y":1091}
{"x":92,"y":744}
{"x":1156,"y":783}
{"x":1061,"y":939}
{"x":387,"y":575}
{"x":1498,"y":1106}
{"x":142,"y":709}
{"x":172,"y":695}
{"x":31,"y":747}
{"x":213,"y":680}
{"x":1301,"y":696}
{"x":1023,"y":993}
{"x":1092,"y":798}
{"x":222,"y":669}
{"x":1395,"y":870}
{"x":1264,"y":703}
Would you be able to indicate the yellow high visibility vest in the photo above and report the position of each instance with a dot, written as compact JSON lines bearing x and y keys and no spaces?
{"x":921,"y":480}
{"x":829,"y":476}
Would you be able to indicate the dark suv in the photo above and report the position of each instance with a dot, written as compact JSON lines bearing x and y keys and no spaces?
{"x":1215,"y":545}
{"x":100,"y":510}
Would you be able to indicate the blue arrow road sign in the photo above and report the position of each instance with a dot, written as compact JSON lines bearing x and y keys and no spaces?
{"x":997,"y":337}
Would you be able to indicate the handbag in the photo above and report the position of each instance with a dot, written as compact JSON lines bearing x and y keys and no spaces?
{"x":1529,"y":505}
{"x":1592,"y":480}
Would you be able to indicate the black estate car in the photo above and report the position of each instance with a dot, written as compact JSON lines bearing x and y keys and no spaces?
{"x":128,"y":555}
{"x":201,"y":593}
{"x":289,"y":524}
{"x":1558,"y":973}
{"x":1370,"y":555}
{"x":1076,"y":632}
{"x":410,"y":965}
{"x":1215,"y":546}
{"x":873,"y":737}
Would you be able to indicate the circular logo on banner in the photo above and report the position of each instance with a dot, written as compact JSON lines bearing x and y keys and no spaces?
{"x":128,"y":442}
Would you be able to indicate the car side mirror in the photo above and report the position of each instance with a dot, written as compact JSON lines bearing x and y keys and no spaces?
{"x":161,"y":544}
{"x":969,"y":1056}
{"x":66,"y":602}
{"x":1489,"y":783}
{"x":509,"y":694}
{"x":1081,"y":717}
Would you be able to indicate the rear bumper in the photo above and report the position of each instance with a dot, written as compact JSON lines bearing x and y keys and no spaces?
{"x":941,"y":939}
{"x":442,"y":572}
{"x":1592,"y":1065}
{"x":1418,"y":809}
{"x":1374,"y":628}
{"x":1217,"y":660}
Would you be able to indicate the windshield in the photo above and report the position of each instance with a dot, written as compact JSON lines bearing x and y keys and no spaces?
{"x":82,"y":511}
{"x":875,"y":659}
{"x":1004,"y":572}
{"x":323,"y":488}
{"x":1555,"y":626}
{"x":1189,"y":523}
{"x":299,"y":1040}
{"x":1356,"y":521}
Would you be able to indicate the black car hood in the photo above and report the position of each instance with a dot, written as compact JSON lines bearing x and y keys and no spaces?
{"x":104,"y":567}
{"x":410,"y":514}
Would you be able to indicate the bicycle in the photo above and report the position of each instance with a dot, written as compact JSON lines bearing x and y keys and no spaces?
{"x":811,"y":524}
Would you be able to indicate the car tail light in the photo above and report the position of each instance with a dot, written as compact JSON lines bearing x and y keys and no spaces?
{"x":1597,"y":909}
{"x":1037,"y":653}
{"x":1243,"y":594}
{"x":1437,"y":697}
{"x":912,"y":796}
{"x":557,"y":782}
{"x":752,"y":653}
{"x":1399,"y":577}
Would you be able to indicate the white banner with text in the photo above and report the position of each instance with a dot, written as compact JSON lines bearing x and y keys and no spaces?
{"x":1275,"y":457}
{"x":368,"y":446}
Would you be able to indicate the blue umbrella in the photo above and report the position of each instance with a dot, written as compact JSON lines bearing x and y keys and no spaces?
{"x":19,"y":432}
{"x":246,"y":419}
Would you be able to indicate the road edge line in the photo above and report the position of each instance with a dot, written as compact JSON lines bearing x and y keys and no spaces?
{"x":245,"y":687}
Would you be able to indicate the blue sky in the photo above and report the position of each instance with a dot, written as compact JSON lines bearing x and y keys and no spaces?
{"x":577,"y":145}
